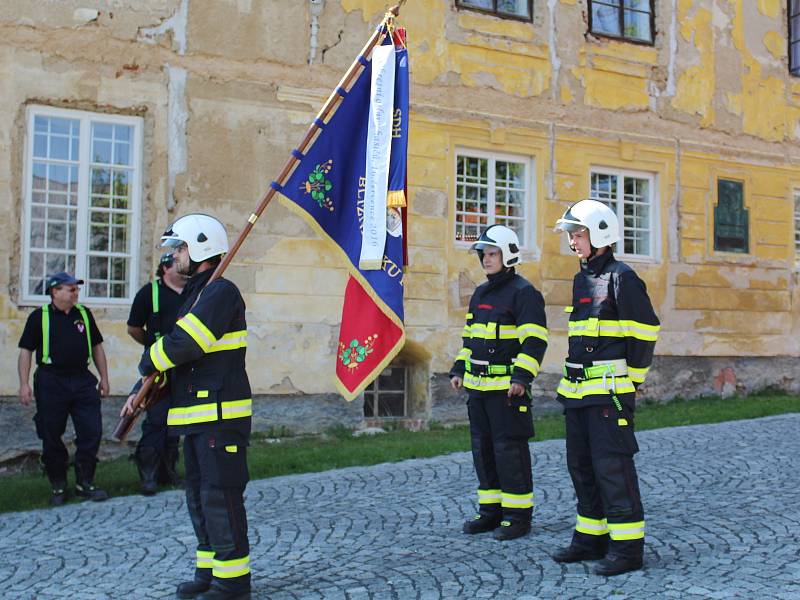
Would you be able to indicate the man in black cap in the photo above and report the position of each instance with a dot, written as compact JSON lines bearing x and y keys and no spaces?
{"x":153,"y":314}
{"x":65,"y":338}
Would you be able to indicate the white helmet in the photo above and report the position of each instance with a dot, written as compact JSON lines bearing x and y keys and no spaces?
{"x":203,"y":235}
{"x":595,"y":216}
{"x":501,"y":237}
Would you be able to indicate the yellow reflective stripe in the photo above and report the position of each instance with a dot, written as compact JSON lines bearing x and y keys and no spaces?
{"x":230,"y":341}
{"x":205,"y":559}
{"x":517,"y":500}
{"x":489,"y":496}
{"x":528,"y":363}
{"x":568,"y":309}
{"x":626,"y":531}
{"x":637,"y":375}
{"x":590,"y":387}
{"x":159,"y":358}
{"x":464,"y":354}
{"x":186,"y":415}
{"x":226,"y":569}
{"x":466,"y":332}
{"x":202,"y":393}
{"x":622,"y":422}
{"x":640,"y":331}
{"x":591,"y":526}
{"x":468,"y":316}
{"x":609,"y":328}
{"x":485,"y":331}
{"x":527,"y":330}
{"x":508,"y":332}
{"x":236,"y":409}
{"x":486,"y":384}
{"x":199,"y":332}
{"x":232,"y":449}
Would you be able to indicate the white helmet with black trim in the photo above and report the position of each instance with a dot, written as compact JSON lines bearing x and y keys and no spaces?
{"x":594,"y":216}
{"x":204,"y":236}
{"x":501,"y":237}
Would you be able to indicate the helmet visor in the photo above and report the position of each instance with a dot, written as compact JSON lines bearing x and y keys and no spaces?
{"x":568,"y":225}
{"x":171,"y":242}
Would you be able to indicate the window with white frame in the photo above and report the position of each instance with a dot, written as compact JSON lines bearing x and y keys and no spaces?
{"x":631,"y":196}
{"x":82,"y":202}
{"x":797,"y":227}
{"x":492,"y":189}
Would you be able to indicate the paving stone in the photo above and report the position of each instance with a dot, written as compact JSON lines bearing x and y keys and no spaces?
{"x":719,"y":499}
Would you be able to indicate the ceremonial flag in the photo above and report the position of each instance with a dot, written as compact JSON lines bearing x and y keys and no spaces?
{"x":340,"y":188}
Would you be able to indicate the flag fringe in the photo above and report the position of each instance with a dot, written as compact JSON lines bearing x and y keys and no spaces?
{"x":396,"y":199}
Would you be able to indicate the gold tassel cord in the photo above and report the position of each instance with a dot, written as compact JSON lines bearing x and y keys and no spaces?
{"x":396,"y":199}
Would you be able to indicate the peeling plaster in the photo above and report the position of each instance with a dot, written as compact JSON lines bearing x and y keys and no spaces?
{"x":176,"y":23}
{"x":555,"y":63}
{"x":673,"y":49}
{"x":178,"y":116}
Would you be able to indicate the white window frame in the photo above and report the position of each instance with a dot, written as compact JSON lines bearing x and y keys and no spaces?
{"x":655,"y":217}
{"x":528,"y":245}
{"x":86,"y":118}
{"x":796,"y":198}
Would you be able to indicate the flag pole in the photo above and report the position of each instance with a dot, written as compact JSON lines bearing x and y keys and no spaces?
{"x":140,"y":402}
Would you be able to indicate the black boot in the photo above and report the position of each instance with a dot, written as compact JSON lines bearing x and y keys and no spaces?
{"x":167,"y":467}
{"x":218,"y":593}
{"x":572,"y":554}
{"x":616,"y":565}
{"x":481,"y":524}
{"x":84,"y":473}
{"x":511,"y":530}
{"x":192,"y":589}
{"x":59,"y":496}
{"x":147,"y":460}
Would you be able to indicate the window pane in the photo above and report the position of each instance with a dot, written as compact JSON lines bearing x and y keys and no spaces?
{"x":794,"y":7}
{"x":605,"y":17}
{"x":731,"y":218}
{"x":518,"y":8}
{"x":795,"y":28}
{"x":391,"y":405}
{"x":794,"y":57}
{"x":637,"y":26}
{"x":369,"y":404}
{"x":487,"y":4}
{"x":797,"y":224}
{"x":392,"y":379}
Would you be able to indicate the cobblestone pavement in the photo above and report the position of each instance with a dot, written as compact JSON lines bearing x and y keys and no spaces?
{"x":722,"y":518}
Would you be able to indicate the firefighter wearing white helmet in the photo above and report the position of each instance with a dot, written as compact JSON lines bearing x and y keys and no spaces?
{"x":211,"y":406}
{"x":504,"y":342}
{"x":612,"y":336}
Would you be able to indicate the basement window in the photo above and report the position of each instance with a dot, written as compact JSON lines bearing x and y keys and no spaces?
{"x":731,"y":223}
{"x":509,"y":9}
{"x":630,"y":20}
{"x":387,"y":395}
{"x":794,"y":37}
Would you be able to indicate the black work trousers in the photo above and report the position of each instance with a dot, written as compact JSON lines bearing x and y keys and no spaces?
{"x":500,"y":428}
{"x":59,"y":397}
{"x":216,"y":476}
{"x":600,"y":447}
{"x":155,"y":433}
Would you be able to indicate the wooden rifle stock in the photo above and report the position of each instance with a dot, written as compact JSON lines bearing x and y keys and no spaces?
{"x":140,"y":404}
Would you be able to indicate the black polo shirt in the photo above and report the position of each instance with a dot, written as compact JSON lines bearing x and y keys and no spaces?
{"x":141,"y":315}
{"x":69,"y":348}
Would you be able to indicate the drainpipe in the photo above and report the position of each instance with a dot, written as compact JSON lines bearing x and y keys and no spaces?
{"x":315,"y":8}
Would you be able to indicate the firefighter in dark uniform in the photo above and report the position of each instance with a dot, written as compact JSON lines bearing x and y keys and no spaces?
{"x":505,"y":339}
{"x":211,"y":406}
{"x":65,"y":338}
{"x":153,"y":314}
{"x":612,"y":335}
